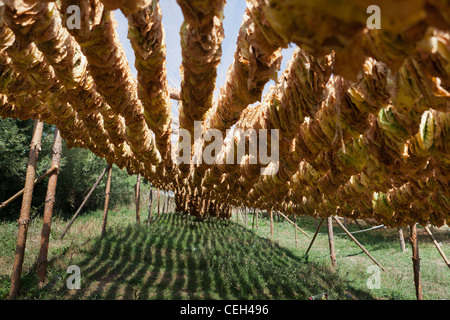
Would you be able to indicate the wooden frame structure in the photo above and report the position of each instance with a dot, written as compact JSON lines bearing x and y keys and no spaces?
{"x":363,"y":120}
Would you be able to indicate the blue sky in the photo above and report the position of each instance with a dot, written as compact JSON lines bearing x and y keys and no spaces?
{"x":172,"y":20}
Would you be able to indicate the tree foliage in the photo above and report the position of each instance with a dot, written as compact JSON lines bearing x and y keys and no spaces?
{"x":78,"y":172}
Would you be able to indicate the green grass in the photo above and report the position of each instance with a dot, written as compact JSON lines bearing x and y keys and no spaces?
{"x":397,"y":281}
{"x":177,"y":257}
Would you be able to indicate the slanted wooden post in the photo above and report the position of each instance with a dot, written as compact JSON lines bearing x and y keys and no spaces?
{"x":164,"y":204}
{"x":416,"y":262}
{"x":277,"y":221}
{"x":150,"y":206}
{"x":331,"y":242}
{"x":315,"y":235}
{"x":359,"y":226}
{"x":271,"y":221}
{"x":48,"y":209}
{"x":253,"y":222}
{"x":84,"y":202}
{"x":257,"y":219}
{"x":359,"y":244}
{"x":157,"y":198}
{"x":438,"y":247}
{"x":106,"y":207}
{"x":36,"y":181}
{"x":401,"y":239}
{"x":242,"y":215}
{"x":138,"y":198}
{"x":346,"y":222}
{"x":168,"y":203}
{"x":246,"y":217}
{"x":24,"y":219}
{"x":295,"y":227}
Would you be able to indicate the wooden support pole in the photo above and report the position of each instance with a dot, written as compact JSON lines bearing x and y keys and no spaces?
{"x":253,"y":222}
{"x":246,"y":217}
{"x":416,"y":262}
{"x":278,"y":222}
{"x":106,"y":207}
{"x":164,"y":204}
{"x":401,"y":238}
{"x":150,"y":206}
{"x":36,"y":181}
{"x":438,"y":247}
{"x":267,"y":223}
{"x":84,"y":202}
{"x":295,"y":227}
{"x":157,"y":199}
{"x":257,"y":219}
{"x":241,"y":212}
{"x":331,"y":242}
{"x":144,"y":202}
{"x":48,"y":209}
{"x":359,"y":244}
{"x":24,"y":219}
{"x":168,"y":203}
{"x":359,"y":226}
{"x":138,"y":199}
{"x":315,"y":235}
{"x":271,"y":221}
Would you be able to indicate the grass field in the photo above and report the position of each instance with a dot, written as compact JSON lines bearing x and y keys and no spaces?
{"x":177,"y":257}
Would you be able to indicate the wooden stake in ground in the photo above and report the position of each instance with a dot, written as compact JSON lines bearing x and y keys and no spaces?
{"x":271,"y":222}
{"x":401,"y":239}
{"x":150,"y":206}
{"x":331,"y":242}
{"x":24,"y":219}
{"x":157,"y":199}
{"x":253,"y":222}
{"x":257,"y":219}
{"x":357,"y":223}
{"x":138,"y":198}
{"x":164,"y":204}
{"x":84,"y":202}
{"x":296,"y":227}
{"x":168,"y":203}
{"x":48,"y":209}
{"x":315,"y":235}
{"x":346,"y":222}
{"x":246,"y":217}
{"x":106,"y":207}
{"x":166,"y":209}
{"x":438,"y":247}
{"x":36,"y":181}
{"x":416,"y":262}
{"x":278,"y":222}
{"x":357,"y":242}
{"x":241,"y":212}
